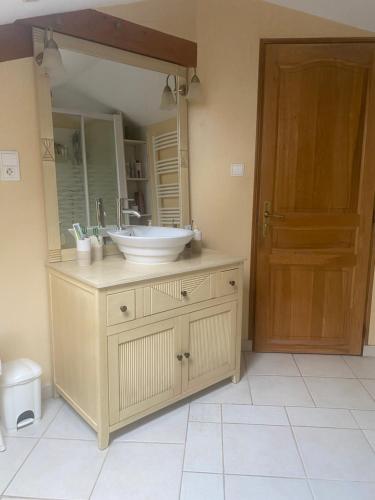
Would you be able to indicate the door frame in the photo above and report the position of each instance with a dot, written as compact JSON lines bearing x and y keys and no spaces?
{"x":263,"y":42}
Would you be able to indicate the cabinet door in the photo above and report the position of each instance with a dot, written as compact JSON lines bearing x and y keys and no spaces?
{"x":143,"y":368}
{"x":209,"y":345}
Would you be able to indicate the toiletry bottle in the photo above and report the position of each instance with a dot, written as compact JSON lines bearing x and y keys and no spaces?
{"x":197,"y":239}
{"x":138,"y":169}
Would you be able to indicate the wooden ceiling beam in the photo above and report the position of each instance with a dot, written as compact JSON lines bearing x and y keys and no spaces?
{"x":15,"y":42}
{"x":115,"y":32}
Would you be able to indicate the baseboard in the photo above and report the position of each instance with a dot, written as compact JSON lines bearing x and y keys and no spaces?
{"x":247,"y":345}
{"x":369,"y":350}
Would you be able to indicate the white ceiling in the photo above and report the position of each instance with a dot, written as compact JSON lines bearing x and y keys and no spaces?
{"x":10,"y":10}
{"x":358,"y":13}
{"x":103,"y":84}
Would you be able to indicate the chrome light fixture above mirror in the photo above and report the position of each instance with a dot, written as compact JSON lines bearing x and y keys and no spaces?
{"x":50,"y":59}
{"x":192,"y":92}
{"x":195,"y":88}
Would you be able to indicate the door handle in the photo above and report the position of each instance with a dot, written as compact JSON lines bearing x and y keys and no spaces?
{"x":275,"y":216}
{"x":267,"y":215}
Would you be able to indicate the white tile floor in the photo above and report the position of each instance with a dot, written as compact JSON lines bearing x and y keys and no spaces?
{"x":295,"y":428}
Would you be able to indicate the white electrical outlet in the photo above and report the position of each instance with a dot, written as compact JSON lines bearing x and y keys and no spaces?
{"x":237,"y":169}
{"x":9,"y":166}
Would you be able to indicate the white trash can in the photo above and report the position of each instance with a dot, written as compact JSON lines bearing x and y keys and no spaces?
{"x":20,"y":393}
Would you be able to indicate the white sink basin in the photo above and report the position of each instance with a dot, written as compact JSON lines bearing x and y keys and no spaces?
{"x":151,"y":244}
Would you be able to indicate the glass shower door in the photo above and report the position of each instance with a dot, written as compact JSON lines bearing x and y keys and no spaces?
{"x":70,"y":175}
{"x":101,"y":167}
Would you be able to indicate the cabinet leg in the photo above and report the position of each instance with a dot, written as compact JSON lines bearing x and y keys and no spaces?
{"x":236,"y":377}
{"x":103,"y":439}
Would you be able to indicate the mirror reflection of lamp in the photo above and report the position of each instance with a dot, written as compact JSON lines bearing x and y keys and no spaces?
{"x":192,"y":92}
{"x":50,"y":59}
{"x":168,"y":100}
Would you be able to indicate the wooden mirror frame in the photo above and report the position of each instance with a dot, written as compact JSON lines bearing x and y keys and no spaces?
{"x":55,"y":252}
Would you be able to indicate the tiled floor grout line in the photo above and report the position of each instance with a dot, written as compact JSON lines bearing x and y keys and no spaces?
{"x":38,"y":439}
{"x":350,"y":368}
{"x":222,"y":447}
{"x":289,"y":477}
{"x":304,"y":382}
{"x":183,"y":457}
{"x":299,"y":452}
{"x":246,"y":374}
{"x":99,"y":472}
{"x":28,"y":498}
{"x":368,"y":392}
{"x":18,"y":469}
{"x":367,"y":440}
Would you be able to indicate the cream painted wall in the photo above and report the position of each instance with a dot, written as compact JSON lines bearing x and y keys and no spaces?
{"x":176,"y":17}
{"x":24,"y":330}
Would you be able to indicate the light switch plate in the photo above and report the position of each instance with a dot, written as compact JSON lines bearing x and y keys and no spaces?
{"x":9,"y":166}
{"x":237,"y":169}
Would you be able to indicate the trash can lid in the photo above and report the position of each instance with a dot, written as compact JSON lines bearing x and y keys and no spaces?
{"x":19,"y":371}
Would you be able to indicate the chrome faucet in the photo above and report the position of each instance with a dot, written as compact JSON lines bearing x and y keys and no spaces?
{"x":131,"y":212}
{"x":120,"y":202}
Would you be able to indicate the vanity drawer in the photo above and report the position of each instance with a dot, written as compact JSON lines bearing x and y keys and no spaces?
{"x":171,"y":294}
{"x":120,"y":307}
{"x":228,"y":282}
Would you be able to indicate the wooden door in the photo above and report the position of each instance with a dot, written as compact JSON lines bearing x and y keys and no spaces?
{"x":315,"y":196}
{"x":143,"y":368}
{"x":209,"y":345}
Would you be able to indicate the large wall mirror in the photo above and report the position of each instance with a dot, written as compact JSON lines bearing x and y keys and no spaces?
{"x":105,"y":136}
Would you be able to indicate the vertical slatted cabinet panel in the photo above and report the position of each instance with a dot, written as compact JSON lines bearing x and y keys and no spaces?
{"x":209,"y":338}
{"x":143,"y":368}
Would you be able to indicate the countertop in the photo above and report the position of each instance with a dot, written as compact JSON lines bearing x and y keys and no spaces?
{"x":114,"y":270}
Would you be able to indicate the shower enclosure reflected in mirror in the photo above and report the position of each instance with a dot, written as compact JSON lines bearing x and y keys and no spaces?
{"x":112,"y":139}
{"x":87,"y":169}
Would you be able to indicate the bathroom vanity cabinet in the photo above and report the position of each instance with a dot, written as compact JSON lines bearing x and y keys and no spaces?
{"x":130,"y":339}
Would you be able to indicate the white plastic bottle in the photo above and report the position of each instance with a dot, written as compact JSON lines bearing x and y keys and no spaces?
{"x":197,"y":239}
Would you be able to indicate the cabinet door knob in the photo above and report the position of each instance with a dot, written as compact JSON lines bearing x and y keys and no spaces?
{"x":179,"y":357}
{"x":123,"y":308}
{"x":184,"y":293}
{"x":187,"y":354}
{"x":232,"y":282}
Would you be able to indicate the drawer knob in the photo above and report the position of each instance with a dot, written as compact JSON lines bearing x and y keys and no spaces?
{"x":232,"y":282}
{"x":187,"y":354}
{"x":184,"y":293}
{"x":123,"y":308}
{"x":179,"y":357}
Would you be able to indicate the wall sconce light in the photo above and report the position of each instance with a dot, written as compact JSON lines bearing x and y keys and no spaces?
{"x":195,"y":88}
{"x":169,"y":96}
{"x":168,"y":99}
{"x":50,"y":59}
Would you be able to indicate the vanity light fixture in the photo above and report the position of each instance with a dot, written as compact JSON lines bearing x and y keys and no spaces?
{"x":168,"y":100}
{"x":169,"y":96}
{"x":195,"y":88}
{"x":50,"y":59}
